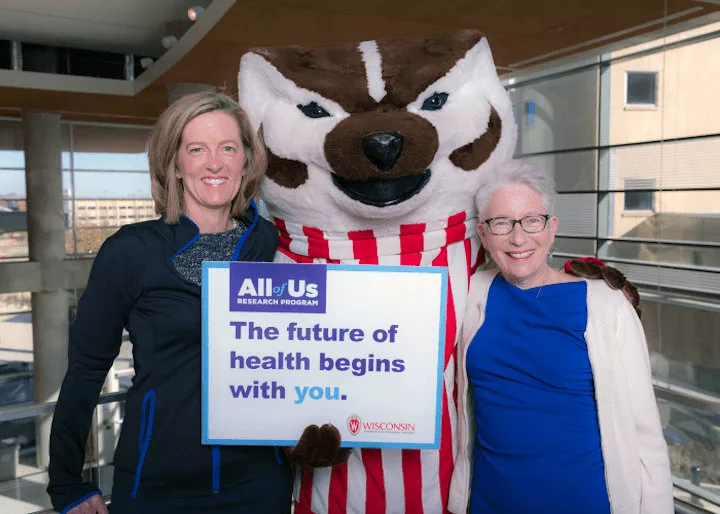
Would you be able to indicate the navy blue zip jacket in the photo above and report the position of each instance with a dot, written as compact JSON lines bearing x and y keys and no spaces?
{"x":133,"y":284}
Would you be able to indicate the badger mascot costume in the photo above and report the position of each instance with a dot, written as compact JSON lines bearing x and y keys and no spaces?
{"x":376,"y":151}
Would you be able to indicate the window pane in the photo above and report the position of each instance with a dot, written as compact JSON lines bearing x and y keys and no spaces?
{"x":674,"y":164}
{"x":14,"y":245}
{"x":12,"y":183}
{"x":24,"y":485}
{"x":653,"y":42}
{"x":11,"y":145}
{"x":67,"y":184}
{"x":16,"y":377}
{"x":65,"y":140}
{"x":676,"y":216}
{"x":13,"y":220}
{"x":101,"y":148}
{"x":641,"y":88}
{"x":15,"y":328}
{"x":638,"y":201}
{"x":89,"y":240}
{"x":577,"y":214}
{"x":686,"y":85}
{"x":707,"y":282}
{"x":17,"y":449}
{"x":572,"y":171}
{"x":112,"y":185}
{"x":564,"y":112}
{"x":691,"y":429}
{"x":664,"y":253}
{"x":574,"y":247}
{"x":112,"y":212}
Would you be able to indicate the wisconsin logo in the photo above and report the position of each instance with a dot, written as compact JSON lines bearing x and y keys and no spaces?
{"x":354,"y":424}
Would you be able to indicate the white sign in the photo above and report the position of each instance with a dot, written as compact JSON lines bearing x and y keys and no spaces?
{"x":290,"y":345}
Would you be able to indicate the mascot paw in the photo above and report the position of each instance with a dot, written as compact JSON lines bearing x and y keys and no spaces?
{"x":318,"y":447}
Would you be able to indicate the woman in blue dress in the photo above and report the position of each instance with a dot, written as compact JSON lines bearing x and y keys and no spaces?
{"x":556,"y":407}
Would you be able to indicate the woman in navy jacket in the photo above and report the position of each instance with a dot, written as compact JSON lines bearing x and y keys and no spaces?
{"x":206,"y":164}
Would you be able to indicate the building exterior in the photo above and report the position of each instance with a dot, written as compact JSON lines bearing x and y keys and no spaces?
{"x":94,"y":220}
{"x":664,"y":121}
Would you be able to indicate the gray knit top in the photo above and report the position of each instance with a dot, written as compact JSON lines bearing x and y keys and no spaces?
{"x":207,"y":247}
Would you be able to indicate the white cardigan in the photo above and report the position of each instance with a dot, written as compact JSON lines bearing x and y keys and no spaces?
{"x":637,"y":467}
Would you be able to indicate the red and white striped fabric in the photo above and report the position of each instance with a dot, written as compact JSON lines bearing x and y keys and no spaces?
{"x":378,"y":481}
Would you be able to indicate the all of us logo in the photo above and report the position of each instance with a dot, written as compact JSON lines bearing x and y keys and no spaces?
{"x":277,"y":287}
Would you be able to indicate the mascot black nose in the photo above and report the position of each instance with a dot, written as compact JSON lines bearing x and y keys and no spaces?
{"x":383,"y":149}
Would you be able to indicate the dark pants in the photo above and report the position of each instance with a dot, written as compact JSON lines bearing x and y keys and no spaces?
{"x":270,"y":493}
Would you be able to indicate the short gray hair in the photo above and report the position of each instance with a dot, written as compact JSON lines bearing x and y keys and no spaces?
{"x":513,"y":172}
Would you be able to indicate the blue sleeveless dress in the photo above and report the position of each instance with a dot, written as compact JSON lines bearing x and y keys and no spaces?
{"x":537,"y":448}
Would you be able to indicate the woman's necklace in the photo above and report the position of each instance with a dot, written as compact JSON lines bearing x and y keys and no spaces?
{"x":543,"y":283}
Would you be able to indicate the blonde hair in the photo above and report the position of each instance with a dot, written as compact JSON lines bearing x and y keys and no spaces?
{"x":164,"y":143}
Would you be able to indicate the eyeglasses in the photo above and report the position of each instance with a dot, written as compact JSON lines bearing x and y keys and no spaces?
{"x":502,"y":226}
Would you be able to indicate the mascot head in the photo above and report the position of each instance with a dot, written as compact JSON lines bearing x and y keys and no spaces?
{"x":380,"y":133}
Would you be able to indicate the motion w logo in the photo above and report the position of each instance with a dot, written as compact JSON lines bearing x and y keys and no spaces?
{"x":353,"y":424}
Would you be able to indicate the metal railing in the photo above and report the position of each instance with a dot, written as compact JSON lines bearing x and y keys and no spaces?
{"x":703,"y":503}
{"x":36,"y":409}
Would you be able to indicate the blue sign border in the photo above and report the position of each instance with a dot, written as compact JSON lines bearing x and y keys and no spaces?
{"x":206,"y":266}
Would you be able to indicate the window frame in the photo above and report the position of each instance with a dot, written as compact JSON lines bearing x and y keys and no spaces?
{"x":642,"y":186}
{"x":655,"y":74}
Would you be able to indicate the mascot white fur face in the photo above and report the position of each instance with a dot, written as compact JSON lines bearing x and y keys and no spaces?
{"x":376,"y":151}
{"x":377,"y":134}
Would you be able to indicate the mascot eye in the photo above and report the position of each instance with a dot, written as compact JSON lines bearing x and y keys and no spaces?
{"x":435,"y":102}
{"x":313,"y":110}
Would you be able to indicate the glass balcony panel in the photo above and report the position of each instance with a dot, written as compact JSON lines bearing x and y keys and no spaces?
{"x":574,"y":247}
{"x":559,"y":113}
{"x":662,"y":253}
{"x":688,"y":216}
{"x":572,"y":171}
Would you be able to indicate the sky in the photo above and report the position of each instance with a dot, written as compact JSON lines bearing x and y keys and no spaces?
{"x":94,"y":175}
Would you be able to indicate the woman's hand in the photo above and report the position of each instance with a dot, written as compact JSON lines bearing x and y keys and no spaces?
{"x":93,"y":505}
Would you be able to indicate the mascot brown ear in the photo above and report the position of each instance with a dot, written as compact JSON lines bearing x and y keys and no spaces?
{"x":590,"y":267}
{"x":318,"y":447}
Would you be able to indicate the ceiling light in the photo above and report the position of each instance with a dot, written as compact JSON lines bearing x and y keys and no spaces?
{"x":146,"y":62}
{"x":195,"y":12}
{"x":168,"y":42}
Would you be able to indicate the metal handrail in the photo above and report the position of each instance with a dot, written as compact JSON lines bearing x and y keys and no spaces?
{"x":685,"y":508}
{"x":686,"y":392}
{"x":22,"y":411}
{"x":681,"y":507}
